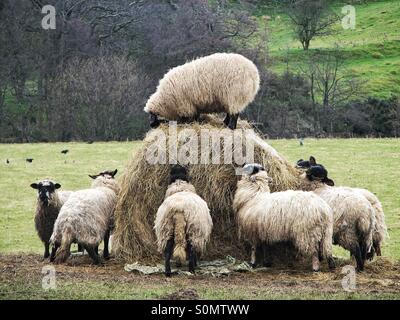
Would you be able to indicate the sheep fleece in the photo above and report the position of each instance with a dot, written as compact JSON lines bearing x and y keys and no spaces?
{"x":296,"y":216}
{"x":46,"y":216}
{"x":182,"y":199}
{"x":221,"y":82}
{"x":87,"y":214}
{"x":352,"y":213}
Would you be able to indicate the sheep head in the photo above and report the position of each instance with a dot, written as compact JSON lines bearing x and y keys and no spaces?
{"x":46,"y":190}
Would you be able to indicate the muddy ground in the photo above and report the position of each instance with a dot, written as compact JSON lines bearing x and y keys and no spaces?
{"x":21,"y":277}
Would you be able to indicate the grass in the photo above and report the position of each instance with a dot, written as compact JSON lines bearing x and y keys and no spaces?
{"x":367,"y":163}
{"x":71,"y":170}
{"x":372,"y":48}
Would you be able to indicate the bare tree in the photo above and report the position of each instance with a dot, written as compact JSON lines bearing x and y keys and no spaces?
{"x":330,"y":84}
{"x":310,"y":18}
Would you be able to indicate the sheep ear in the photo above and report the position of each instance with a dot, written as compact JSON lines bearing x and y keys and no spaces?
{"x":57,"y":186}
{"x":313,"y":162}
{"x":35,"y":186}
{"x":114,"y":173}
{"x":93,"y":176}
{"x":329,"y":182}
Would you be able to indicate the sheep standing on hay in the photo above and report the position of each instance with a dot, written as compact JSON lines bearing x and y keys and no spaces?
{"x":354,"y":217}
{"x":298,"y":217}
{"x":380,"y":230}
{"x":183,"y":222}
{"x":87,"y":218}
{"x":221,"y":82}
{"x":48,"y":206}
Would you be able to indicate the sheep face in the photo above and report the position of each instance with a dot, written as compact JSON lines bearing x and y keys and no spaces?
{"x":319,"y":173}
{"x":46,"y":190}
{"x":305,"y":164}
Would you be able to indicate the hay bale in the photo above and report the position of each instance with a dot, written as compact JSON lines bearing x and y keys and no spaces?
{"x":143,"y":187}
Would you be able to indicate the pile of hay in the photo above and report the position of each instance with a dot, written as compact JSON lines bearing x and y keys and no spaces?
{"x":143,"y":187}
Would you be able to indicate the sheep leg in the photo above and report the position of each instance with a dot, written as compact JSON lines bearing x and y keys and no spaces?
{"x":53,"y":252}
{"x":106,"y":254}
{"x":154,"y":122}
{"x":227,"y":119}
{"x":195,"y":259}
{"x":96,"y":249}
{"x":253,"y":256}
{"x":91,"y":250}
{"x":233,"y":121}
{"x":331,"y":263}
{"x":315,"y":262}
{"x":357,"y":253}
{"x":46,"y":250}
{"x":377,"y":248}
{"x":266,"y":256}
{"x":168,"y":254}
{"x":191,"y":258}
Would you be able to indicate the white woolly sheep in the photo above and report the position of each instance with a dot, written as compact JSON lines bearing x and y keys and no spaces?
{"x":298,"y":217}
{"x":353,"y":215}
{"x":49,"y":203}
{"x":183,"y":222}
{"x":221,"y":82}
{"x":380,"y":230}
{"x":87,"y":218}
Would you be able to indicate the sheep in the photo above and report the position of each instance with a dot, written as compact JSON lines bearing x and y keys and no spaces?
{"x":183,"y":222}
{"x":87,"y":218}
{"x":49,"y":203}
{"x":303,"y":164}
{"x":354,"y":217}
{"x":265,"y":218}
{"x":221,"y":82}
{"x":380,"y":230}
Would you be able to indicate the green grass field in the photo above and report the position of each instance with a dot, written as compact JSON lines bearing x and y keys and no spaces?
{"x":372,"y":48}
{"x":368,"y":163}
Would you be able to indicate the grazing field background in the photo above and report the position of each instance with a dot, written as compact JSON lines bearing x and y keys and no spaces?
{"x":368,"y":163}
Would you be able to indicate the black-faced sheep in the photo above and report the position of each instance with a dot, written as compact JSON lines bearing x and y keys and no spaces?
{"x":87,"y":218}
{"x":305,"y":164}
{"x":183,"y":222}
{"x":49,"y":203}
{"x":298,"y":217}
{"x":380,"y":230}
{"x":221,"y":82}
{"x":354,"y":217}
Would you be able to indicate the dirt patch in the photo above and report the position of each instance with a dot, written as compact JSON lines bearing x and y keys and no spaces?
{"x":186,"y":294}
{"x":381,"y":276}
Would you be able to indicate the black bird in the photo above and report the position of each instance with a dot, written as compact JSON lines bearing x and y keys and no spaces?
{"x":65,"y":151}
{"x":90,"y":142}
{"x":7,"y":161}
{"x":29,"y":160}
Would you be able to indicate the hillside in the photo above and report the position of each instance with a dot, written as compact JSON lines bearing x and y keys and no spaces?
{"x":372,"y":49}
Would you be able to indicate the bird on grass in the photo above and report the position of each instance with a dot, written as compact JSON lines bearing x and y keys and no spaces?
{"x":29,"y":160}
{"x":7,"y":161}
{"x":65,"y":151}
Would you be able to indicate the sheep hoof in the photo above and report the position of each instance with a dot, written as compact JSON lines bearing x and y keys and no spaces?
{"x":168,"y":274}
{"x":253,"y":265}
{"x":315,"y":270}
